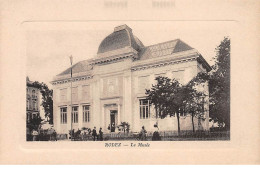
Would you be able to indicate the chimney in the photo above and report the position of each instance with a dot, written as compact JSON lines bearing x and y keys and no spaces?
{"x":122,"y":27}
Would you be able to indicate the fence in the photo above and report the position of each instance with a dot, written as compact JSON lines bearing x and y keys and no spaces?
{"x":165,"y":136}
{"x":173,"y":136}
{"x":134,"y":136}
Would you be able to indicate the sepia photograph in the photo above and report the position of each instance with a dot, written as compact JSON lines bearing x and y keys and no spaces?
{"x":118,"y":82}
{"x":128,"y":82}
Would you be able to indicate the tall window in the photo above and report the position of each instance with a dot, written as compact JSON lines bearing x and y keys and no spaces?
{"x":63,"y":115}
{"x":144,"y":109}
{"x":28,"y":116}
{"x":182,"y":112}
{"x":27,"y":104}
{"x":75,"y":114}
{"x":33,"y":93}
{"x":34,"y":105}
{"x":86,"y":113}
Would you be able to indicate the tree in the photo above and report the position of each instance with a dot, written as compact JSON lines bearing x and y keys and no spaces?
{"x":193,"y":101}
{"x":219,"y":85}
{"x":125,"y":126}
{"x":167,"y":97}
{"x":34,"y":123}
{"x":47,"y":100}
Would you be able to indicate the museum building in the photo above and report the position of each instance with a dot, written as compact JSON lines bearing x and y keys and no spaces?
{"x":110,"y":88}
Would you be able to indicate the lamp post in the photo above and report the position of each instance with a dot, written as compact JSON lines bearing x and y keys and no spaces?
{"x":71,"y":61}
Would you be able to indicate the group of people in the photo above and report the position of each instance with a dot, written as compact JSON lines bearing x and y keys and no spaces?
{"x":44,"y":135}
{"x":156,"y":136}
{"x":142,"y":135}
{"x":96,"y":136}
{"x":76,"y":135}
{"x":51,"y":134}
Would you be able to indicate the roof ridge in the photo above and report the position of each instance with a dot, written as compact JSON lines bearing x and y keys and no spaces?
{"x":80,"y":63}
{"x":163,"y":42}
{"x":129,"y":36}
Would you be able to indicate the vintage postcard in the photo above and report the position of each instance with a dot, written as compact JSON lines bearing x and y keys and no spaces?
{"x":121,"y":83}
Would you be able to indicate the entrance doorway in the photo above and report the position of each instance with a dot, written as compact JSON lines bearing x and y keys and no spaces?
{"x":113,"y":114}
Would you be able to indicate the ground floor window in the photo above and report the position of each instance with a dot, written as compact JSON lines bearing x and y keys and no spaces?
{"x":86,"y":113}
{"x":75,"y":114}
{"x":27,"y":104}
{"x":28,"y":117}
{"x":144,"y":106}
{"x":63,"y":115}
{"x":182,"y":112}
{"x":34,"y":105}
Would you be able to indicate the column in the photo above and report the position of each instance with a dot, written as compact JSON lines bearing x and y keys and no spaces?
{"x":102,"y":124}
{"x":118,"y":114}
{"x":56,"y":118}
{"x":80,"y":93}
{"x":68,"y":118}
{"x":126,"y":114}
{"x":96,"y":102}
{"x":80,"y":115}
{"x":135,"y":107}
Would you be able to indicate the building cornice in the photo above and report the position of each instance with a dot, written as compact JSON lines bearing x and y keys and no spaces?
{"x":110,"y":97}
{"x":165,"y":62}
{"x":115,"y":55}
{"x":73,"y":79}
{"x":204,"y":63}
{"x":137,"y":65}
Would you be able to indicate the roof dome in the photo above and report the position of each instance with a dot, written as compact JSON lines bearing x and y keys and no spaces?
{"x":120,"y":38}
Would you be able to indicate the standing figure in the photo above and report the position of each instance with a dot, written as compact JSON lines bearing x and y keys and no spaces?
{"x":100,"y":135}
{"x":156,"y":135}
{"x":84,"y":136}
{"x":113,"y":127}
{"x":78,"y":134}
{"x":94,"y":134}
{"x":72,"y":134}
{"x":54,"y":135}
{"x":89,"y":131}
{"x":34,"y":133}
{"x":143,"y":134}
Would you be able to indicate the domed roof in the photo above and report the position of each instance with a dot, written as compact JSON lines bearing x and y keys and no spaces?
{"x":120,"y":38}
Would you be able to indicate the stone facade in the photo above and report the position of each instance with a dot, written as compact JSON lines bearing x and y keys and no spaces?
{"x":110,"y":88}
{"x":32,"y":100}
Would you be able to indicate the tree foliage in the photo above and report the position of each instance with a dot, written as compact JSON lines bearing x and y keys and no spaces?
{"x":166,"y":97}
{"x":47,"y":100}
{"x":219,"y":85}
{"x":33,"y":123}
{"x":170,"y":97}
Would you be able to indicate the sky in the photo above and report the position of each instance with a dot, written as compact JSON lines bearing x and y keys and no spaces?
{"x":49,"y":45}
